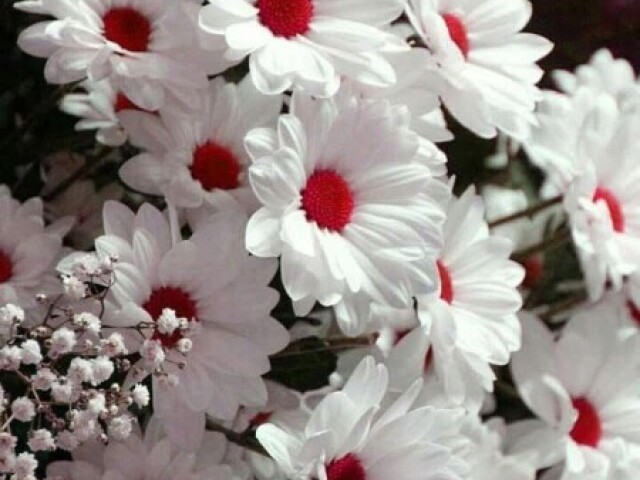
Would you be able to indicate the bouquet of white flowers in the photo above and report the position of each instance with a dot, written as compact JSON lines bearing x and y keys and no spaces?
{"x":277,"y":247}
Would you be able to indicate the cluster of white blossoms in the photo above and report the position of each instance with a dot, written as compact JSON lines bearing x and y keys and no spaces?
{"x":58,"y":366}
{"x":281,"y":155}
{"x":585,"y":143}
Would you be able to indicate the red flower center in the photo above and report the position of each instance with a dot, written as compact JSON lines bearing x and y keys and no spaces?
{"x":286,"y":18}
{"x":176,"y":299}
{"x":260,"y":419}
{"x":328,"y":200}
{"x":123,"y":103}
{"x":533,"y":270}
{"x":634,"y":311}
{"x":215,"y":167}
{"x":457,"y":32}
{"x":446,"y":284}
{"x":613,"y":205}
{"x":128,"y":28}
{"x":348,"y":467}
{"x":588,"y":429}
{"x":6,"y":267}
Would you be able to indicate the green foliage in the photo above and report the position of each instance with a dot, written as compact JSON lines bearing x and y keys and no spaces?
{"x":304,"y":365}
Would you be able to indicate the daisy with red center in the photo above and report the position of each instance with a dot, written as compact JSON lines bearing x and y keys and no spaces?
{"x":582,"y":387}
{"x":305,"y":43}
{"x":487,"y":66}
{"x":283,"y":409}
{"x":349,"y":203}
{"x":350,"y":435}
{"x":198,"y":159}
{"x":29,"y":250}
{"x":602,"y":199}
{"x":148,"y":49}
{"x":99,"y":107}
{"x":477,"y":298}
{"x":204,"y":280}
{"x":577,"y":137}
{"x":150,"y":456}
{"x":603,"y":73}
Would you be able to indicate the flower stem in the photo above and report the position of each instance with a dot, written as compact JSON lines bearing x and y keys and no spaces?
{"x":242,"y":439}
{"x":528,"y":213}
{"x":562,"y":306}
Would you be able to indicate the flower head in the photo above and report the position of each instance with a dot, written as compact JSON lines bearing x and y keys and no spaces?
{"x":28,"y":250}
{"x":349,"y":203}
{"x":198,"y":159}
{"x":151,"y":457}
{"x":470,"y":322}
{"x":351,"y":436}
{"x":207,"y":288}
{"x":148,"y":50}
{"x":582,"y":389}
{"x":305,"y":43}
{"x":487,"y":64}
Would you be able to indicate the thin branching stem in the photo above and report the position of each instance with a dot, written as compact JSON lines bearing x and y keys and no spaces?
{"x":244,"y":439}
{"x":527,"y":213}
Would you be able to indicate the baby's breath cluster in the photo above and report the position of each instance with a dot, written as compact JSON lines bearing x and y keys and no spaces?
{"x":65,"y":371}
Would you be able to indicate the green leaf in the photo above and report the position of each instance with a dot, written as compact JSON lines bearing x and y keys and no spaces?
{"x":305,"y":365}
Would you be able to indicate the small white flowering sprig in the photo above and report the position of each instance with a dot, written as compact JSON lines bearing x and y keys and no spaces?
{"x":165,"y":340}
{"x":63,"y":375}
{"x":88,"y":276}
{"x":168,"y":334}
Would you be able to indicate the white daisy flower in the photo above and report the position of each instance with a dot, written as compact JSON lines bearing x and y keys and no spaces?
{"x":603,"y":73}
{"x":349,"y":436}
{"x":29,"y":250}
{"x":349,"y":203}
{"x":207,"y":280}
{"x":577,"y":136}
{"x":147,"y":48}
{"x":487,"y":64}
{"x":554,"y":143}
{"x":151,"y":457}
{"x":305,"y":43}
{"x":604,"y":83}
{"x":197,"y":158}
{"x":485,"y":447}
{"x":471,"y":319}
{"x":283,"y":409}
{"x":583,"y":389}
{"x":99,"y":108}
{"x":602,"y":202}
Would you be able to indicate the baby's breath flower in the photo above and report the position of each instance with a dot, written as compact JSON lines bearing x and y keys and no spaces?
{"x":23,"y":409}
